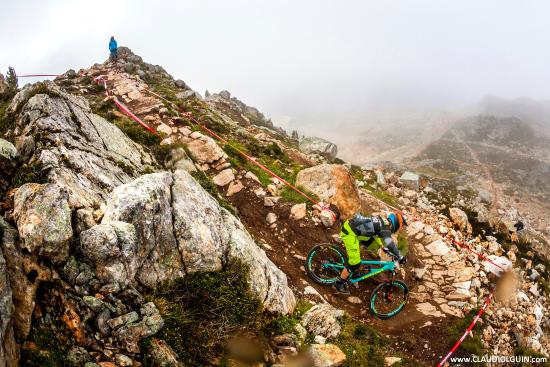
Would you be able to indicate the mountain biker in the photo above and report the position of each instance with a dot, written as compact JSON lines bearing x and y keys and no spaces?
{"x":366,"y":230}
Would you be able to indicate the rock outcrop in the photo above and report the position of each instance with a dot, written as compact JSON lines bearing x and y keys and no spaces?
{"x":332,"y":183}
{"x":164,"y":225}
{"x":9,"y":355}
{"x":314,"y":145}
{"x":76,"y":149}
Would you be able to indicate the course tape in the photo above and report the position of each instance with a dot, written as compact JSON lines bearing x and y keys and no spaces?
{"x":190,"y":117}
{"x":468,"y":330}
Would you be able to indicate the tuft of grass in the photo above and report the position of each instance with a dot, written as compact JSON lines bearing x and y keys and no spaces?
{"x":29,"y":172}
{"x":202,"y":310}
{"x":361,"y":344}
{"x":403,"y":243}
{"x":44,"y":349}
{"x":7,"y":123}
{"x":385,"y":197}
{"x":473,"y":345}
{"x":136,"y":132}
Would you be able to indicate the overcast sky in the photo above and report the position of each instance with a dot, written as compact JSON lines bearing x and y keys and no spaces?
{"x":312,"y":60}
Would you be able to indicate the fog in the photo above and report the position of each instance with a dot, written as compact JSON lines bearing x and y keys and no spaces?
{"x":306,"y":64}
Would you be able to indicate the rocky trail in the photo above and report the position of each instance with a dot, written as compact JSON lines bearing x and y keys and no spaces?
{"x":97,"y":212}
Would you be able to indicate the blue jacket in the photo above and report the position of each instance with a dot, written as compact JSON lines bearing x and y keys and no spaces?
{"x":112,"y":45}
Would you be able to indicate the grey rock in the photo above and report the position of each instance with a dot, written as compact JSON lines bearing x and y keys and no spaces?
{"x":410,"y":179}
{"x":225,"y":94}
{"x":131,"y":333}
{"x":123,"y":320}
{"x":43,"y":219}
{"x":182,"y":229}
{"x":25,"y":146}
{"x":84,"y":219}
{"x":146,"y":204}
{"x":8,"y":348}
{"x":187,"y":94}
{"x":162,"y":354}
{"x":8,"y":156}
{"x":178,"y":159}
{"x":78,"y":356}
{"x":484,"y":196}
{"x":314,"y":145}
{"x":112,"y":249}
{"x":101,"y":322}
{"x":180,"y":84}
{"x":81,"y":152}
{"x":71,"y":74}
{"x":322,"y":319}
{"x":123,"y":360}
{"x":95,"y":304}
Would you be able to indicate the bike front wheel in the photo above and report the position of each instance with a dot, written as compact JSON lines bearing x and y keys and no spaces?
{"x":324,"y":263}
{"x":388,"y":299}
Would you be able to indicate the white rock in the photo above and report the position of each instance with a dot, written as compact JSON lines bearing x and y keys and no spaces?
{"x":320,"y":339}
{"x":390,"y":361}
{"x":234,"y":187}
{"x":438,"y":248}
{"x":271,"y":218}
{"x":252,"y":176}
{"x":224,"y":177}
{"x":298,"y":211}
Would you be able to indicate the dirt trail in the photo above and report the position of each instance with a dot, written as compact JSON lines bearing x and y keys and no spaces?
{"x":488,"y":176}
{"x":290,"y":241}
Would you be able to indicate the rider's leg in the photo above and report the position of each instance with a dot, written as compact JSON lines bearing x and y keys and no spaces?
{"x":351,"y":242}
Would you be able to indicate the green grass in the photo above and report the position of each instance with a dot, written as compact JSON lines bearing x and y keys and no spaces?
{"x":403,"y":243}
{"x":49,"y":350}
{"x":7,"y":123}
{"x":204,"y":310}
{"x":361,"y":344}
{"x":385,"y":197}
{"x":473,"y":345}
{"x":520,"y":351}
{"x":27,"y":173}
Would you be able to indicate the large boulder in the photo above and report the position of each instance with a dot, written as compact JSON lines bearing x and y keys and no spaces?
{"x":205,"y":150}
{"x":410,"y":179}
{"x":180,"y":229}
{"x":8,"y":347}
{"x":76,"y":149}
{"x":43,"y":219}
{"x":314,"y":145}
{"x":333,"y":184}
{"x":460,"y":218}
{"x":112,"y":248}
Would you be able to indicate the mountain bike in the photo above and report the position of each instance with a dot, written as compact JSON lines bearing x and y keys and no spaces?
{"x":325,"y":262}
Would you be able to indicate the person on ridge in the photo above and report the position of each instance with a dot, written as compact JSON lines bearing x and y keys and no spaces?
{"x":366,"y":230}
{"x":113,"y":47}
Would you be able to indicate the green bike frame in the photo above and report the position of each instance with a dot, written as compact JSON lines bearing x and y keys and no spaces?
{"x":384,"y":266}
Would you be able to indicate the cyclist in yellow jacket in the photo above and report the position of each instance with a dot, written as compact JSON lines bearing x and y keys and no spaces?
{"x":363,"y":230}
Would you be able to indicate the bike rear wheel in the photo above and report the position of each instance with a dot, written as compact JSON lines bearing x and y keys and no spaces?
{"x":318,"y":260}
{"x":388,"y":299}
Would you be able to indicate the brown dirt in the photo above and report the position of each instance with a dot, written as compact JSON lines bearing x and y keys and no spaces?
{"x":291,"y":240}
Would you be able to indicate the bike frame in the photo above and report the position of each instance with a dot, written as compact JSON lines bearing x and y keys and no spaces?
{"x":384,"y":266}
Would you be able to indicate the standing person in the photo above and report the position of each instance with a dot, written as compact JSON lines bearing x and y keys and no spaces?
{"x":113,"y":47}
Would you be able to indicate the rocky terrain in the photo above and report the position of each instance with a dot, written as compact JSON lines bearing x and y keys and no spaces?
{"x":123,"y":248}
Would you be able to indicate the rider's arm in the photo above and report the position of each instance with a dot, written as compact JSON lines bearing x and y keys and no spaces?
{"x":390,"y":244}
